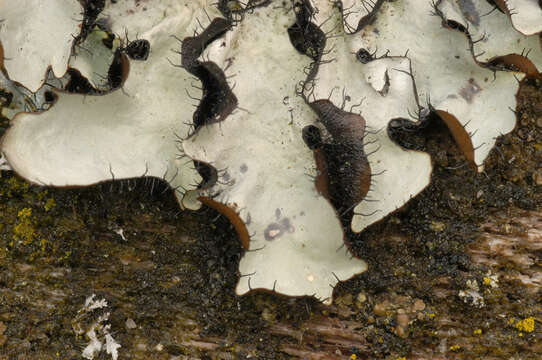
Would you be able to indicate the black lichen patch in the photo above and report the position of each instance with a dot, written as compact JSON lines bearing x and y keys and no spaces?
{"x":218,"y":100}
{"x":312,"y":137}
{"x":5,"y":98}
{"x":91,"y":10}
{"x":118,"y":70}
{"x":138,"y":49}
{"x":78,"y":84}
{"x":347,"y":166}
{"x":208,"y":174}
{"x":305,"y":36}
{"x":192,"y":47}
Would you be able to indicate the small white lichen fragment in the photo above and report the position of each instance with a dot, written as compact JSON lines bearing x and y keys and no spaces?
{"x":93,"y":347}
{"x":91,"y":304}
{"x":36,"y":34}
{"x":296,"y":239}
{"x":93,"y":321}
{"x":471,"y":295}
{"x":112,"y":346}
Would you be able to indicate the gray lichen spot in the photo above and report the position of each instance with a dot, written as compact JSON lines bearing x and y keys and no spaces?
{"x":469,"y":11}
{"x":226,"y":176}
{"x":275,"y":230}
{"x":470,"y":90}
{"x":243,"y":168}
{"x":287,"y":225}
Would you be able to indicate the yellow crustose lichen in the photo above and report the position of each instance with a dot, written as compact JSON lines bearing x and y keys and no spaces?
{"x":526,"y":325}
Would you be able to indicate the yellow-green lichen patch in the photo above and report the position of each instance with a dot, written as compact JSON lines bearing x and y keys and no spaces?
{"x":24,"y":231}
{"x":49,"y":204}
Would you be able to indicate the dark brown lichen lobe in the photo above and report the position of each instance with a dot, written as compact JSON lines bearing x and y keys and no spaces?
{"x":346,"y":165}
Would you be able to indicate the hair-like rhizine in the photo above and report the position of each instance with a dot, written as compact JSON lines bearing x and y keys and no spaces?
{"x":346,"y":164}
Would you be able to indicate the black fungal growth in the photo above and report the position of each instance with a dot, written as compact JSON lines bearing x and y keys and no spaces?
{"x":118,"y":70}
{"x":91,"y":10}
{"x":305,"y":36}
{"x":312,"y":137}
{"x":192,"y":47}
{"x":208,"y":174}
{"x":217,"y":101}
{"x":120,"y":66}
{"x":349,"y":173}
{"x":138,"y":49}
{"x":364,"y":56}
{"x":5,"y":98}
{"x":78,"y":84}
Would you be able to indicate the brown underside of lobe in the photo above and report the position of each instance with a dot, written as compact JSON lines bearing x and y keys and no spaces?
{"x":460,"y":135}
{"x":234,"y":218}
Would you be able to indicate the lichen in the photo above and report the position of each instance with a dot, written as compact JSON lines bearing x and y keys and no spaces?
{"x":24,"y":231}
{"x":525,"y":325}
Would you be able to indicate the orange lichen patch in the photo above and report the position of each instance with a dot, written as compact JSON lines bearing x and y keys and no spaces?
{"x":460,"y":135}
{"x":236,"y":221}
